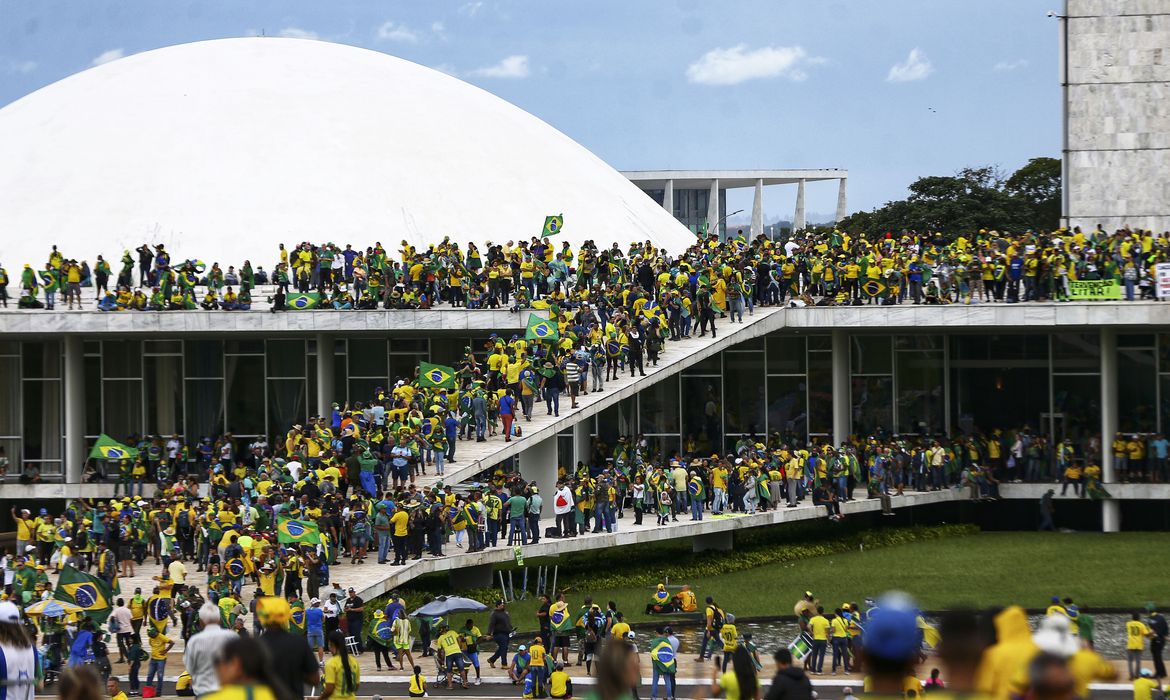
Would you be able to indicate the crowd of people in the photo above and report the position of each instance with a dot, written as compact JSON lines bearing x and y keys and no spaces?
{"x":987,"y":654}
{"x":822,"y":267}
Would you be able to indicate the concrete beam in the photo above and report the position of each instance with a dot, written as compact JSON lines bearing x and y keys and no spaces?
{"x":75,"y":453}
{"x":713,"y":542}
{"x":668,"y":197}
{"x":758,"y":210}
{"x":1110,"y":509}
{"x":842,"y":207}
{"x":713,"y":208}
{"x":798,"y":220}
{"x":326,"y":392}
{"x":402,"y":575}
{"x":538,"y":463}
{"x":842,"y":402}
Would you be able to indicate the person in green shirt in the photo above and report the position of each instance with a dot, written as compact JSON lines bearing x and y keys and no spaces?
{"x":516,"y":505}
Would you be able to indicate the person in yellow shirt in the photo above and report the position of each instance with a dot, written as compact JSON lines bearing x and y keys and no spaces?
{"x":242,"y":673}
{"x":343,"y":674}
{"x":620,"y":627}
{"x":400,"y":524}
{"x":560,"y":686}
{"x":450,"y":643}
{"x":1145,"y":685}
{"x":114,"y":689}
{"x":729,"y":635}
{"x":1136,"y":632}
{"x":839,"y":639}
{"x":536,"y":668}
{"x":160,"y":644}
{"x":818,"y":627}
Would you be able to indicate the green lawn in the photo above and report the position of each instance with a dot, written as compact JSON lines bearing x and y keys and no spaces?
{"x":980,"y":570}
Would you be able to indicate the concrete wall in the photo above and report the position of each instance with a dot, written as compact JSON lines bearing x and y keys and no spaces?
{"x":1118,"y":112}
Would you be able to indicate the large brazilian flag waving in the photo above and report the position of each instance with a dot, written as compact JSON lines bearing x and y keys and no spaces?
{"x":289,"y":531}
{"x":303,"y":302}
{"x":86,"y":591}
{"x":541,"y":329}
{"x":552,"y":225}
{"x":435,"y":376}
{"x":107,"y":447}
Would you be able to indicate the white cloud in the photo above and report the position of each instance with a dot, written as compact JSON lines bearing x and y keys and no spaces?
{"x":439,"y":29}
{"x":298,"y":33}
{"x":510,"y":67}
{"x":916,"y":67}
{"x":1008,"y":66}
{"x":390,"y":31}
{"x":471,"y":9}
{"x":107,"y":56}
{"x":737,"y":64}
{"x":12,"y":67}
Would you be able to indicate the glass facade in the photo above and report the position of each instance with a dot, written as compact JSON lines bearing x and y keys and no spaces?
{"x":779,"y":385}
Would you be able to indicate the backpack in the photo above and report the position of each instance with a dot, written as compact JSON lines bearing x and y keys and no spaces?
{"x":185,"y":519}
{"x":360,"y":528}
{"x":717,"y":617}
{"x":113,"y":626}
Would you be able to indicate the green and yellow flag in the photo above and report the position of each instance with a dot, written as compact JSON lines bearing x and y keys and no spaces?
{"x":541,"y":329}
{"x":289,"y":531}
{"x":303,"y":302}
{"x":86,"y":591}
{"x":107,"y":447}
{"x":435,"y":376}
{"x":552,"y":225}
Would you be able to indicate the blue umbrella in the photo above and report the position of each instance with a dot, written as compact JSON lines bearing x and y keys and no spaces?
{"x":445,"y":605}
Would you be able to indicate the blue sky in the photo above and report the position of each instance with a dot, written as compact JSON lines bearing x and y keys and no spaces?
{"x":889,"y":89}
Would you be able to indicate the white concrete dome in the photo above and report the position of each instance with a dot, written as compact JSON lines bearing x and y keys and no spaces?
{"x":223,"y":149}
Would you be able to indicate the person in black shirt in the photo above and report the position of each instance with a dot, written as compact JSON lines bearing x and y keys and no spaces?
{"x":545,"y":625}
{"x":295,"y":665}
{"x":354,"y":606}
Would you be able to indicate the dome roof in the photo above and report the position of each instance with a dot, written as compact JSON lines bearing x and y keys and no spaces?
{"x":223,"y":149}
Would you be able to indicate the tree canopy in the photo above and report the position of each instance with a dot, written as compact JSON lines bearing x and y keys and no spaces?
{"x":969,"y":200}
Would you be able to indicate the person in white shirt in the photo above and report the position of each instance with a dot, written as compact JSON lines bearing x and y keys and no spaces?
{"x":563,"y":509}
{"x":332,"y":610}
{"x":121,"y":619}
{"x":203,"y":649}
{"x":18,"y":655}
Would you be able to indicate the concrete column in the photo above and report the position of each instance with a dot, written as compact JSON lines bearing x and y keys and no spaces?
{"x":74,"y":457}
{"x":713,"y":542}
{"x":465,"y":577}
{"x":841,"y":390}
{"x":538,"y":462}
{"x":842,"y":211}
{"x":758,"y":210}
{"x":668,"y":197}
{"x":582,"y":441}
{"x":798,"y":219}
{"x":326,"y":392}
{"x":1110,"y":508}
{"x":713,"y":207}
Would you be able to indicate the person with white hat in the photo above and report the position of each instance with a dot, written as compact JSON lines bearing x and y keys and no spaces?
{"x":16,"y":648}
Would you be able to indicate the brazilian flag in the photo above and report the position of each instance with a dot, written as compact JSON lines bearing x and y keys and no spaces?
{"x":663,"y":657}
{"x":86,"y":591}
{"x":107,"y":447}
{"x":873,"y":288}
{"x":695,"y":488}
{"x":541,"y":329}
{"x":650,"y":309}
{"x":552,"y":225}
{"x":297,"y":618}
{"x":559,"y":617}
{"x":383,"y":631}
{"x":435,"y":376}
{"x":235,"y":567}
{"x":158,"y":609}
{"x":303,"y":302}
{"x":289,"y":531}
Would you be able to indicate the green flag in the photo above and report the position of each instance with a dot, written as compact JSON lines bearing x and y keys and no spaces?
{"x":290,"y":531}
{"x":552,"y":225}
{"x":303,"y":302}
{"x":107,"y":447}
{"x":541,"y":329}
{"x":435,"y":376}
{"x":86,"y":591}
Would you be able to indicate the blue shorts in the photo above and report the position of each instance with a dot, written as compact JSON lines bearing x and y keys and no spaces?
{"x":473,"y":657}
{"x":316,"y":640}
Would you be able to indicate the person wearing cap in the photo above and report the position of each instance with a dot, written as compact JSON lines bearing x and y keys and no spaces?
{"x":19,"y":655}
{"x":315,"y":628}
{"x":891,"y":646}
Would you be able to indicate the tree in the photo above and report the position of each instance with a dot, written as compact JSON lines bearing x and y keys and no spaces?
{"x":969,"y":200}
{"x":1038,"y":183}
